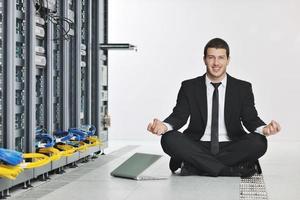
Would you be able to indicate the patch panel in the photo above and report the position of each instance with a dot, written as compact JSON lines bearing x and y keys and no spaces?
{"x":83,"y":52}
{"x":20,"y":5}
{"x":104,"y":80}
{"x":40,"y":50}
{"x":83,"y":47}
{"x":40,"y":32}
{"x":39,"y":21}
{"x":104,"y":95}
{"x":83,"y":64}
{"x":40,"y":60}
{"x":49,"y":4}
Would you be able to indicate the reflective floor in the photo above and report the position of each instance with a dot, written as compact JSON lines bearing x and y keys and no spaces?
{"x":92,"y":180}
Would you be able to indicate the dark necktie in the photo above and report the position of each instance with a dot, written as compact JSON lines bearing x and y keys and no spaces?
{"x":214,"y":145}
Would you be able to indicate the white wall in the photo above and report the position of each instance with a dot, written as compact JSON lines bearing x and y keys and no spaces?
{"x":264,"y":36}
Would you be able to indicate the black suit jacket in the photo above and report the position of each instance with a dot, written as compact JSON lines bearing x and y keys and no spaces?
{"x":192,"y":102}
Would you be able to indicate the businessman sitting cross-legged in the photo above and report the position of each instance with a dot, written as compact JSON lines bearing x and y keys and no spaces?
{"x":215,"y":143}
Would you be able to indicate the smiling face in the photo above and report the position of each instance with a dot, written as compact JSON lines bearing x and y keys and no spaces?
{"x":216,"y":62}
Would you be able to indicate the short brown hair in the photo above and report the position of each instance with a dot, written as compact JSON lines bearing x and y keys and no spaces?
{"x":217,"y":43}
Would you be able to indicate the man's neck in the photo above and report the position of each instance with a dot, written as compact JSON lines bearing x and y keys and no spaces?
{"x":216,"y":80}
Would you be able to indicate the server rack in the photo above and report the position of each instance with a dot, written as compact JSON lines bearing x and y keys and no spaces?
{"x":99,"y":63}
{"x":53,"y":75}
{"x":1,"y":73}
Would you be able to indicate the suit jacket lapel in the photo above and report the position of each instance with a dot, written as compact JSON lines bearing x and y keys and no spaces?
{"x":202,"y":98}
{"x":229,"y":100}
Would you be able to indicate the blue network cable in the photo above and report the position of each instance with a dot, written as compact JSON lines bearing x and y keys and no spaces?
{"x":43,"y":139}
{"x":11,"y":157}
{"x":89,"y":129}
{"x":63,"y":136}
{"x":80,"y":135}
{"x":92,"y":130}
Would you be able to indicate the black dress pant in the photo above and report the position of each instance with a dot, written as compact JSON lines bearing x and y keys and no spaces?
{"x":179,"y":146}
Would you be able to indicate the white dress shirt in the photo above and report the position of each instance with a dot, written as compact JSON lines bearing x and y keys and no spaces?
{"x":223,"y":136}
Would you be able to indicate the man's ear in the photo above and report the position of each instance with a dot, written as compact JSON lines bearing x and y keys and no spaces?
{"x":228,"y":60}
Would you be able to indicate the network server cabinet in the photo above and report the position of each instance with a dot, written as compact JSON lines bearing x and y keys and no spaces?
{"x":53,"y":73}
{"x":1,"y":73}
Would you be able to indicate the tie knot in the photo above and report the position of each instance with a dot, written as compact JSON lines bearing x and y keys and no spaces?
{"x":216,"y":85}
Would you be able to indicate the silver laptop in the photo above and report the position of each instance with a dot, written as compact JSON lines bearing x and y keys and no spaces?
{"x":134,"y":166}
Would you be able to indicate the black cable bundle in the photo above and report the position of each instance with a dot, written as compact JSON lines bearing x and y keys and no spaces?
{"x":44,"y":12}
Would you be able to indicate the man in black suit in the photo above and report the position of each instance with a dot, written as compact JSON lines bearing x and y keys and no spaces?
{"x":218,"y":105}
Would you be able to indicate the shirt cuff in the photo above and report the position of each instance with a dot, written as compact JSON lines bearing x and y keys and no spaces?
{"x":259,"y":130}
{"x":169,"y":127}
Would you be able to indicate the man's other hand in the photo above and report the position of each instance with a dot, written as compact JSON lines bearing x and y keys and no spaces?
{"x":157,"y":127}
{"x":272,"y":128}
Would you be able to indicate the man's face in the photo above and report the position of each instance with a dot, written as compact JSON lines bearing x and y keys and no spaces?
{"x":216,"y":62}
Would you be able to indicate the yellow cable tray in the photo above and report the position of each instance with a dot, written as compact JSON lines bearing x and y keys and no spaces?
{"x":66,"y":150}
{"x":38,"y":160}
{"x":53,"y":153}
{"x":10,"y":172}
